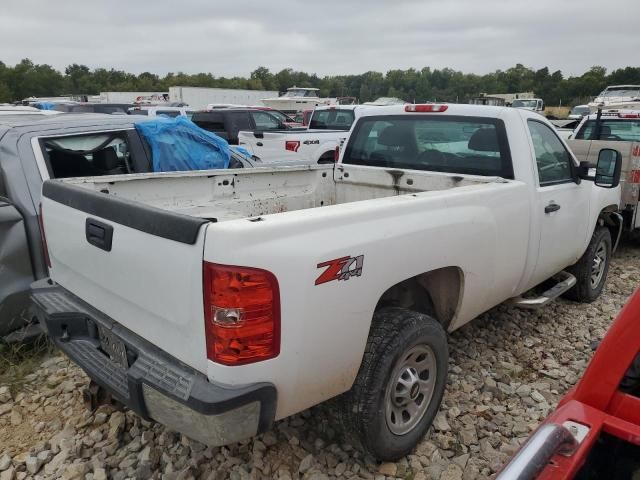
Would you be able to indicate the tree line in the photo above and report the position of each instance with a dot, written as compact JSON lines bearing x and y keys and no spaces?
{"x":27,"y":79}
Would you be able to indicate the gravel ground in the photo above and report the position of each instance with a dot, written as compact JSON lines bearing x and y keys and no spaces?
{"x":508,"y":369}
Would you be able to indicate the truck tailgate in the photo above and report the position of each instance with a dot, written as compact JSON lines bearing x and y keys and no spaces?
{"x":139,"y":265}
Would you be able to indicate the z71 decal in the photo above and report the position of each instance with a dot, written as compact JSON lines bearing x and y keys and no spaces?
{"x":340,"y":269}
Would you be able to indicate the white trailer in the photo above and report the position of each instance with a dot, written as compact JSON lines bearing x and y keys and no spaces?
{"x":130,"y":97}
{"x":199,"y":97}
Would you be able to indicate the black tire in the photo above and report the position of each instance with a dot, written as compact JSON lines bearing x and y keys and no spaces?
{"x":395,"y":333}
{"x":585,"y":290}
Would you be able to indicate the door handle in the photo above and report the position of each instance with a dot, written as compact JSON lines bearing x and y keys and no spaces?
{"x":99,"y":234}
{"x":552,"y":207}
{"x":259,"y":144}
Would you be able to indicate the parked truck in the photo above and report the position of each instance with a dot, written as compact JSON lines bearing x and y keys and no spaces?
{"x":618,"y":130}
{"x":218,"y":302}
{"x":328,"y":129}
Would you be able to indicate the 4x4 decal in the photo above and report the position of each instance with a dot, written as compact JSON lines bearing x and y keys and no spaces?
{"x":342,"y":268}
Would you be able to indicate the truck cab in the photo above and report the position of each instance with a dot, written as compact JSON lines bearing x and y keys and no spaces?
{"x":328,"y":128}
{"x":533,"y":104}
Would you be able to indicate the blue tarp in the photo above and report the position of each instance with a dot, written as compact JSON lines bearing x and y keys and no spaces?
{"x":240,"y":150}
{"x":44,"y":105}
{"x":178,"y":144}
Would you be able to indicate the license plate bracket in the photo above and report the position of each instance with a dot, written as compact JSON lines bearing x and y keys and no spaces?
{"x":113,"y":347}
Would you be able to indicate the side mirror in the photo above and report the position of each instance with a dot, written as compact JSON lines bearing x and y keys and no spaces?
{"x":608,"y":168}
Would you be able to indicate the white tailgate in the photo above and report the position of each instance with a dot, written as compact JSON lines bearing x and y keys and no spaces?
{"x":150,"y":284}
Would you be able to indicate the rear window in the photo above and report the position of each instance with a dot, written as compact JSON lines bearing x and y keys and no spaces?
{"x":465,"y":145}
{"x":213,"y":122}
{"x":168,"y":113}
{"x":88,"y":155}
{"x":332,"y":119}
{"x":618,"y":129}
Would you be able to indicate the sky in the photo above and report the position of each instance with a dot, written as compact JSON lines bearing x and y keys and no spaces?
{"x":327,"y":37}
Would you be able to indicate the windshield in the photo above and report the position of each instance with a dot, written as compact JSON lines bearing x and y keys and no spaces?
{"x":524,"y":103}
{"x":301,"y":93}
{"x":621,"y":92}
{"x":466,"y":145}
{"x":280,"y":116}
{"x":334,"y":119}
{"x":580,"y":110}
{"x":613,"y":129}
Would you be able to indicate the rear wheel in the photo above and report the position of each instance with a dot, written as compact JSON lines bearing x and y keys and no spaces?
{"x":592,"y":268}
{"x":400,"y":383}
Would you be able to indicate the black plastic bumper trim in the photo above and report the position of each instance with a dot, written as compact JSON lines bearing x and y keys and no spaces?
{"x":73,"y":325}
{"x":151,"y":220}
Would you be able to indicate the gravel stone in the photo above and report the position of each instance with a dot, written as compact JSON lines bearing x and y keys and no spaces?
{"x":5,"y":462}
{"x":538,"y":397}
{"x":16,"y":416}
{"x":8,"y":474}
{"x":453,"y":472}
{"x":306,"y":463}
{"x":388,"y":469}
{"x":5,"y":394}
{"x":440,"y":422}
{"x":33,"y":465}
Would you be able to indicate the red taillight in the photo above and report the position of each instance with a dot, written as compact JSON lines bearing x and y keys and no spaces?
{"x":629,"y":115}
{"x":292,"y":145}
{"x":242,"y":314}
{"x":428,"y":107}
{"x":634,"y":176}
{"x":336,"y":154}
{"x":45,"y":249}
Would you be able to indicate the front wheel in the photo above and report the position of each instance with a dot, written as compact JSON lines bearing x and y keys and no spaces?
{"x":400,"y":383}
{"x":592,"y":268}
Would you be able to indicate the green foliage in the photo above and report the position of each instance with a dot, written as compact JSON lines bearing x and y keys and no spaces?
{"x":28,"y":79}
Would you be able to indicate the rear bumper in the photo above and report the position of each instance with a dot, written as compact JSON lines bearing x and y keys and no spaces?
{"x":154,"y":385}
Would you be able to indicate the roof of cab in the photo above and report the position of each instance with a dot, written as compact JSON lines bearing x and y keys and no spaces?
{"x":452,"y":109}
{"x":9,"y":121}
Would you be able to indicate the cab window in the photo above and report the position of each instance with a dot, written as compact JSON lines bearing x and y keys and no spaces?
{"x":616,"y":130}
{"x":437,"y":143}
{"x":104,"y":153}
{"x":265,"y":121}
{"x":552,"y":158}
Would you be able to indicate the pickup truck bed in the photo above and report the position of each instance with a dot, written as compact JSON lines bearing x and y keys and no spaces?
{"x":262,"y":191}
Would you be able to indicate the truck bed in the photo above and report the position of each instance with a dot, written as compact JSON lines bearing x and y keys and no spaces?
{"x":223,"y":195}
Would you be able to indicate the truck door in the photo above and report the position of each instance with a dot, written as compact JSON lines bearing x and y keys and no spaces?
{"x":15,"y":268}
{"x":269,"y":141}
{"x":561,"y":206}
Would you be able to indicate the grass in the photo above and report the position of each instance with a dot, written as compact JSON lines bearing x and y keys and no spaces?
{"x":18,"y":360}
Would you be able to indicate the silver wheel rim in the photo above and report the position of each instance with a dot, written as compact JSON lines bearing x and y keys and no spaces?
{"x":410,"y":388}
{"x":598,"y":265}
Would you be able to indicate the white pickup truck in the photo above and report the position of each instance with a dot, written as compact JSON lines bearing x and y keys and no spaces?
{"x":328,"y":128}
{"x":217,"y":302}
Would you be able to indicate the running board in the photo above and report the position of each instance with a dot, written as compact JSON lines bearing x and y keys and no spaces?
{"x":564,"y":282}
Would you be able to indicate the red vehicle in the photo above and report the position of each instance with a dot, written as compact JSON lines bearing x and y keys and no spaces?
{"x":595,"y":431}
